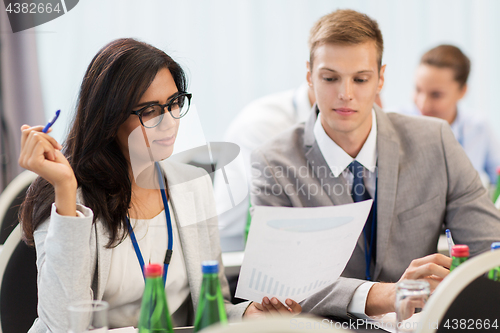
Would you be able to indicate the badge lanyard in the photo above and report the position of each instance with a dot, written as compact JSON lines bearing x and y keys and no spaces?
{"x":368,"y":251}
{"x":168,"y":254}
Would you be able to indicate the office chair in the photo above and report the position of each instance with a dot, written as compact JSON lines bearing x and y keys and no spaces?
{"x":18,"y":274}
{"x":18,"y":285}
{"x":10,"y":200}
{"x":283,"y":324}
{"x":466,"y":294}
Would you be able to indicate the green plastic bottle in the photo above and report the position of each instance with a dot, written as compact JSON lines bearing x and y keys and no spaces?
{"x":497,"y":190}
{"x":459,"y":254}
{"x":211,"y":308}
{"x":154,"y":310}
{"x":494,"y":273}
{"x":249,"y":220}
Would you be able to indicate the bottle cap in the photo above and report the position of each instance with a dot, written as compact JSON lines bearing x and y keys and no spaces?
{"x":210,"y":266}
{"x":153,"y":270}
{"x":460,"y":251}
{"x":495,"y":245}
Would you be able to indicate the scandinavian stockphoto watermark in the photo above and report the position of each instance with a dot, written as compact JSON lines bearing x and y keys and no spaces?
{"x":307,"y":181}
{"x":26,"y":14}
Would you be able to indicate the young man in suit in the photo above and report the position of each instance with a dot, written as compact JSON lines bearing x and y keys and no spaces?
{"x":350,"y":150}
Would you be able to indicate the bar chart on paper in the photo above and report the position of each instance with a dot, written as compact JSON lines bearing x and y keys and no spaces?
{"x":296,"y":252}
{"x":261,"y":282}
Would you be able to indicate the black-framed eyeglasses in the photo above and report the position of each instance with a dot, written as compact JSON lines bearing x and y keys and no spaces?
{"x":151,"y":115}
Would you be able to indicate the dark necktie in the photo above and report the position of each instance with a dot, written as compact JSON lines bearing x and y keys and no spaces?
{"x":359,"y":193}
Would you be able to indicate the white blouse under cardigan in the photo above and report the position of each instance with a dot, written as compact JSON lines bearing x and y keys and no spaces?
{"x":125,"y":285}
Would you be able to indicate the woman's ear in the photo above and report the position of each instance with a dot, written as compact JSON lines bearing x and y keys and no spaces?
{"x":463,"y":91}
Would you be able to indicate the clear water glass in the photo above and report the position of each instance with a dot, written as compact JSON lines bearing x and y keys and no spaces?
{"x":88,"y":316}
{"x":411,"y":296}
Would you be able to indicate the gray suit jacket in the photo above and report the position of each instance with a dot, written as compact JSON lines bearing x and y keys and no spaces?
{"x":424,"y":180}
{"x":73,"y":263}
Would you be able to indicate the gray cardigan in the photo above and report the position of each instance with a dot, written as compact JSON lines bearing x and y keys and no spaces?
{"x":73,"y":263}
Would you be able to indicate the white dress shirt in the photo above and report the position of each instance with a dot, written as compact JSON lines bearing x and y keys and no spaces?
{"x":125,"y":284}
{"x":338,"y":161}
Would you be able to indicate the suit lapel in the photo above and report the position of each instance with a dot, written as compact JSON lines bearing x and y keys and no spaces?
{"x":388,"y":171}
{"x":335,"y":187}
{"x":316,"y":160}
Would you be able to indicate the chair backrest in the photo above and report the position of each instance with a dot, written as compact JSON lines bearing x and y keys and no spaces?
{"x":464,"y":298}
{"x":10,"y":200}
{"x":18,"y":285}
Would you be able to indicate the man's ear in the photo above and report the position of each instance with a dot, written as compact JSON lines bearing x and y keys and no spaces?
{"x":381,"y":79}
{"x":309,"y":74}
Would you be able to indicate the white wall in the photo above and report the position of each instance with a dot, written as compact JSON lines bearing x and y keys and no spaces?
{"x":235,"y":51}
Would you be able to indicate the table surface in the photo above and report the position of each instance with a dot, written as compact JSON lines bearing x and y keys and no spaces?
{"x":188,"y":329}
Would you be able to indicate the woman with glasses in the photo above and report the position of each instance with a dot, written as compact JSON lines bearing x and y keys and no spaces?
{"x":108,"y":202}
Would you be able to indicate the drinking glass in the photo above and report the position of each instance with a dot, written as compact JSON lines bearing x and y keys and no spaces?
{"x":411,"y":296}
{"x":88,"y":316}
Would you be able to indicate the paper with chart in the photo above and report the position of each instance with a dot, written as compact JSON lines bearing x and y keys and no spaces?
{"x":296,"y":252}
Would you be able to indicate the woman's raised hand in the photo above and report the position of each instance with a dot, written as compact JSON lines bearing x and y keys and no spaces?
{"x":41,"y":154}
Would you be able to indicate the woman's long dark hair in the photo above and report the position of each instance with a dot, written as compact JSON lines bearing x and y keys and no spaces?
{"x":113,"y":84}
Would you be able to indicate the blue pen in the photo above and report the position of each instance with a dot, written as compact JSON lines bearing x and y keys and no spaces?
{"x":50,"y":123}
{"x":450,"y":240}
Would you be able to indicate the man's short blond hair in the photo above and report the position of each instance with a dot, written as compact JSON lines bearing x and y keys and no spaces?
{"x":345,"y":27}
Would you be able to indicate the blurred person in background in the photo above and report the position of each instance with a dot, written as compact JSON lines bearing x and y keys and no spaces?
{"x":258,"y":122}
{"x":440,"y":83}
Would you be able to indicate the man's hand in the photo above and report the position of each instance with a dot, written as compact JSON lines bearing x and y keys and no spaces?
{"x":272,"y":307}
{"x":432,"y":268}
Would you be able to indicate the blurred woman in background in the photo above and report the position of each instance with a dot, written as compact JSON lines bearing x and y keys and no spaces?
{"x":440,"y":83}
